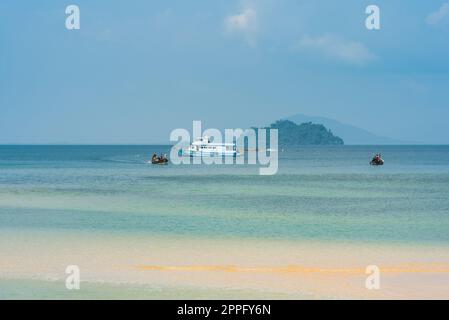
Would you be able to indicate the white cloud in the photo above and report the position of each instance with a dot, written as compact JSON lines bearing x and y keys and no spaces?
{"x":244,"y":24}
{"x":337,"y":48}
{"x":439,"y":16}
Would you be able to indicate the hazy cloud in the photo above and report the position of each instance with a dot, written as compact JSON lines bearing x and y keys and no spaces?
{"x":337,"y":48}
{"x":243,"y":24}
{"x":439,"y":16}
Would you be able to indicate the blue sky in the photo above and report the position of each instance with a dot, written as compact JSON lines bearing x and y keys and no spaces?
{"x":138,"y":69}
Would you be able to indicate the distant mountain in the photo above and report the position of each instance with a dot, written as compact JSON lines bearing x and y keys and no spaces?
{"x":350,"y":134}
{"x":291,"y":134}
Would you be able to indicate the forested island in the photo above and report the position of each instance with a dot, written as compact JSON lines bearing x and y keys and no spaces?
{"x":291,"y":134}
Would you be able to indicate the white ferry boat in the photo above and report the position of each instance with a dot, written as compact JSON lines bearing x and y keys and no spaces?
{"x":203,"y":147}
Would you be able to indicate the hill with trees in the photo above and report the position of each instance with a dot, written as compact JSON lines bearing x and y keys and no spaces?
{"x":291,"y":134}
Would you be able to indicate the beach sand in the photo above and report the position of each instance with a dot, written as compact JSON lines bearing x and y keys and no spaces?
{"x":33,"y":263}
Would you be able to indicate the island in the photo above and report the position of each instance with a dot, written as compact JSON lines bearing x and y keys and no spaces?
{"x":291,"y":134}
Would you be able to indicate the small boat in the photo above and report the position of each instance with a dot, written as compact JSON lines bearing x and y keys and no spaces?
{"x":377,"y":161}
{"x":159,"y":160}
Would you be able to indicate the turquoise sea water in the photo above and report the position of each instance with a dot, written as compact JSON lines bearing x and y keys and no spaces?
{"x":319,"y":193}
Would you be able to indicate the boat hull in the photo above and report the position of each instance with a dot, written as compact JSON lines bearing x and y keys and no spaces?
{"x":377,"y":163}
{"x":208,"y":154}
{"x":159,"y":162}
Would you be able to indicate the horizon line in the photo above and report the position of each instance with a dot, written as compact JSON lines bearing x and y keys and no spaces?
{"x":165,"y":144}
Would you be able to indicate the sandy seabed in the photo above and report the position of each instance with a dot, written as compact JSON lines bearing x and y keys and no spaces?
{"x":33,"y":264}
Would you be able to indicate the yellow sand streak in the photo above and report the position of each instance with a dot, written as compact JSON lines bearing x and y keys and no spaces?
{"x":410,"y":268}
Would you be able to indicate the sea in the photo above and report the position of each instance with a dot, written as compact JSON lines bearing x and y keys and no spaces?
{"x":326,"y":194}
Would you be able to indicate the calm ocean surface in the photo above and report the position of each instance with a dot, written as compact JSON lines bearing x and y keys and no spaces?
{"x":319,"y":193}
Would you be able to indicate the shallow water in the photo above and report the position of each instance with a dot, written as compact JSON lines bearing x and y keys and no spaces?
{"x":328,"y":193}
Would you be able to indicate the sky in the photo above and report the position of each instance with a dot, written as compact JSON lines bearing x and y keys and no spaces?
{"x":136,"y":70}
